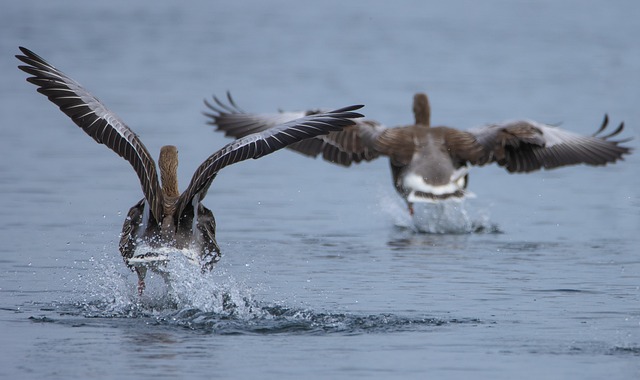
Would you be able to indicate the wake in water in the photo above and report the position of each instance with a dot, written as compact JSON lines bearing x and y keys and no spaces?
{"x":212,"y":302}
{"x":442,"y":217}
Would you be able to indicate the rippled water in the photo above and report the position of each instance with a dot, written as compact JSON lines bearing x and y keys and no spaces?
{"x":324,"y":274}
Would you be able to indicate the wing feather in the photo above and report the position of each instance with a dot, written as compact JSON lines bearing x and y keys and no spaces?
{"x":96,"y":120}
{"x":524,"y":146}
{"x":262,"y":143}
{"x":344,"y":147}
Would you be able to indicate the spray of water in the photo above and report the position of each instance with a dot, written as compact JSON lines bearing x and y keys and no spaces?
{"x":109,"y":289}
{"x":442,"y":217}
{"x":214,"y":302}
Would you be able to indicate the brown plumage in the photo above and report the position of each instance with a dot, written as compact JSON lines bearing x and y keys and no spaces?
{"x":165,"y":217}
{"x":431,"y":163}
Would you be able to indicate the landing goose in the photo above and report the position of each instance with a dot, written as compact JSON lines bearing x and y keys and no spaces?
{"x":165,"y":217}
{"x":431,"y":163}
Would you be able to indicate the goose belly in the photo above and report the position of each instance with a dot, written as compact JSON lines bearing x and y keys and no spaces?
{"x":419,"y":190}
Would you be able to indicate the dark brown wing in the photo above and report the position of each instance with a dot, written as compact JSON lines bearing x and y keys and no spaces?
{"x":129,"y":234}
{"x":462,"y":146}
{"x":402,"y":143}
{"x":398,"y":143}
{"x":262,"y":143}
{"x":340,"y":147}
{"x":524,"y":146}
{"x":352,"y":144}
{"x":207,"y":228}
{"x":96,"y":120}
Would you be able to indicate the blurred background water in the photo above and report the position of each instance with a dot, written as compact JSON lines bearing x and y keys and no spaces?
{"x":322,"y":275}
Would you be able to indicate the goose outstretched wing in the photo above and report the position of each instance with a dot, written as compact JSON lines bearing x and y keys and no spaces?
{"x":343,"y":147}
{"x":262,"y":143}
{"x":524,"y":146}
{"x":96,"y":120}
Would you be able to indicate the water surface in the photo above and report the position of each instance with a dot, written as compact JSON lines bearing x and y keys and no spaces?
{"x":323,"y":273}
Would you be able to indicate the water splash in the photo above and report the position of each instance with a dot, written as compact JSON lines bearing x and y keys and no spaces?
{"x":110,"y":289}
{"x":212,"y":302}
{"x":215,"y":291}
{"x":442,"y":217}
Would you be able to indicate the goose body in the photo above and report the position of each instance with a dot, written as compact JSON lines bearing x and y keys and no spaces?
{"x":431,"y":163}
{"x":166,"y":217}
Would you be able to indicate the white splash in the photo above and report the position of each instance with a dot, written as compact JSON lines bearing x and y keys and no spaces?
{"x":110,"y":289}
{"x":396,"y":209}
{"x":442,"y":217}
{"x":216,"y":291}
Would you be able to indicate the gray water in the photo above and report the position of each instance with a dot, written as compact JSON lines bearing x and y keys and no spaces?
{"x":323,"y":275}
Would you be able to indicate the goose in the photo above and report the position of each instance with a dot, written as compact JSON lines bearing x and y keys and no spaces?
{"x":431,"y":163}
{"x":165,"y":217}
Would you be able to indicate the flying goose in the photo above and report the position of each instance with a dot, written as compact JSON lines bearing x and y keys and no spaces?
{"x":431,"y":163}
{"x":165,"y":217}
